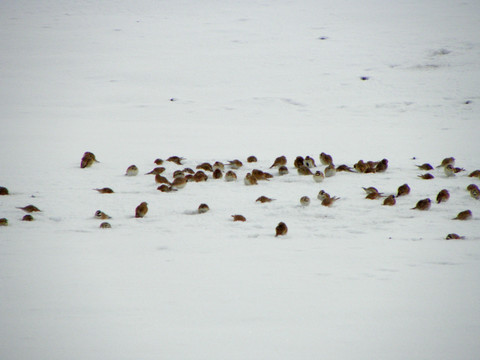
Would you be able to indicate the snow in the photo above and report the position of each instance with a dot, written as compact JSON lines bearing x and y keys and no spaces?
{"x":222,"y":80}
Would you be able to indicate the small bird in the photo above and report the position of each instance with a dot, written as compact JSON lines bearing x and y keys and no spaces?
{"x":251,"y":159}
{"x":279,"y":161}
{"x":456,"y":170}
{"x":157,"y":170}
{"x":464,"y":215}
{"x":309,"y":162}
{"x":304,"y":170}
{"x":305,"y":201}
{"x":371,"y":190}
{"x":176,"y":159}
{"x":426,"y":176}
{"x":373,"y":196}
{"x":454,"y":236}
{"x":325,"y":159}
{"x":330,"y":170}
{"x":141,"y":210}
{"x":389,"y":200}
{"x":230,"y":176}
{"x":475,"y":173}
{"x":179,"y":182}
{"x":178,"y":174}
{"x":423,"y":204}
{"x":264,"y":199}
{"x":235,"y":164}
{"x":475,"y":193}
{"x":3,"y":222}
{"x":250,"y":179}
{"x":159,"y":179}
{"x":203,"y":208}
{"x":447,"y":161}
{"x":360,"y":166}
{"x":299,"y":161}
{"x":403,"y":190}
{"x":344,"y":167}
{"x":132,"y":170}
{"x":282,"y":170}
{"x":87,"y":160}
{"x":322,"y":195}
{"x":425,"y":166}
{"x":260,"y":175}
{"x":218,"y":165}
{"x":205,"y":166}
{"x":188,"y":171}
{"x":3,"y":190}
{"x":281,"y":229}
{"x":381,"y":166}
{"x":239,"y":218}
{"x":158,"y":161}
{"x":472,"y":187}
{"x":217,"y":173}
{"x":28,"y":217}
{"x":318,"y":176}
{"x":328,"y":201}
{"x":101,"y":215}
{"x":105,"y":225}
{"x":200,"y":176}
{"x":449,"y":170}
{"x":443,"y":196}
{"x":29,"y":208}
{"x":166,"y":188}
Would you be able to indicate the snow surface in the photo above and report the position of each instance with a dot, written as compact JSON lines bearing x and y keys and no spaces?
{"x":220,"y":80}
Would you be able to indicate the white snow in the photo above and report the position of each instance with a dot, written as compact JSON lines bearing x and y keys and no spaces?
{"x":222,"y":80}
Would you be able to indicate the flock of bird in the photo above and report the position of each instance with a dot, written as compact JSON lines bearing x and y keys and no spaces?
{"x":305,"y":166}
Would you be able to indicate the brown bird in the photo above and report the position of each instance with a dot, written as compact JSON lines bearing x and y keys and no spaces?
{"x":282,"y":170}
{"x":105,"y":190}
{"x":304,"y":170}
{"x":132,"y":170}
{"x":360,"y":166}
{"x":423,"y":204}
{"x":475,"y":193}
{"x":179,"y":183}
{"x":3,"y":222}
{"x":344,"y":167}
{"x":318,"y":176}
{"x":449,"y":170}
{"x":205,"y":166}
{"x":158,"y":161}
{"x":203,"y":208}
{"x":403,"y":190}
{"x":239,"y":218}
{"x":176,"y":159}
{"x":454,"y":236}
{"x":251,"y":159}
{"x":475,"y":173}
{"x":235,"y":164}
{"x":426,"y":176}
{"x":29,"y":208}
{"x":264,"y":199}
{"x":250,"y":179}
{"x":389,"y":200}
{"x":260,"y":175}
{"x":305,"y":201}
{"x":309,"y":162}
{"x":105,"y":225}
{"x":456,"y":170}
{"x":155,"y":171}
{"x":230,"y":176}
{"x":28,"y":217}
{"x":217,"y":174}
{"x":87,"y":160}
{"x":279,"y":161}
{"x":330,"y":170}
{"x":328,"y":201}
{"x":188,"y":171}
{"x":464,"y":215}
{"x":381,"y":166}
{"x":299,"y":161}
{"x":166,"y":188}
{"x":443,"y":196}
{"x":325,"y":159}
{"x":281,"y":229}
{"x":141,"y":210}
{"x":178,"y":174}
{"x":3,"y":190}
{"x":101,"y":215}
{"x":218,"y":165}
{"x":159,"y":179}
{"x":425,"y":167}
{"x":322,"y":194}
{"x":447,"y":161}
{"x":200,"y":176}
{"x":373,"y":196}
{"x":472,"y":187}
{"x":371,"y":190}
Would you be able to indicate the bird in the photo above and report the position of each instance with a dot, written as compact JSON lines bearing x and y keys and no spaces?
{"x":157,"y":170}
{"x":200,"y":176}
{"x":425,"y":166}
{"x":464,"y":215}
{"x":281,"y":229}
{"x":176,"y":159}
{"x":475,"y":193}
{"x":250,"y":179}
{"x":218,"y":165}
{"x":475,"y":173}
{"x":423,"y":204}
{"x":309,"y":162}
{"x":360,"y":166}
{"x":28,"y":217}
{"x":88,"y":159}
{"x":260,"y":175}
{"x":158,"y":161}
{"x":188,"y":171}
{"x":282,"y":170}
{"x":217,"y":173}
{"x":252,"y":159}
{"x":371,"y":190}
{"x":304,"y":170}
{"x":3,"y":222}
{"x":279,"y":161}
{"x":179,"y":182}
{"x":381,"y":166}
{"x":299,"y":161}
{"x":159,"y":179}
{"x":203,"y":208}
{"x":449,"y":170}
{"x":325,"y":159}
{"x":105,"y":190}
{"x":403,"y":190}
{"x":328,"y":201}
{"x":322,"y":195}
{"x":264,"y":199}
{"x":99,"y":214}
{"x":472,"y":187}
{"x":230,"y":176}
{"x":3,"y":190}
{"x":105,"y":225}
{"x":344,"y":167}
{"x":205,"y":166}
{"x":141,"y":210}
{"x":166,"y":188}
{"x":178,"y":174}
{"x":330,"y":170}
{"x":456,"y":170}
{"x":443,"y":196}
{"x":235,"y":164}
{"x":29,"y":208}
{"x":454,"y":236}
{"x":305,"y":201}
{"x":239,"y":218}
{"x":447,"y":161}
{"x":426,"y":176}
{"x":318,"y":176}
{"x":132,"y":170}
{"x":373,"y":196}
{"x":389,"y":200}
